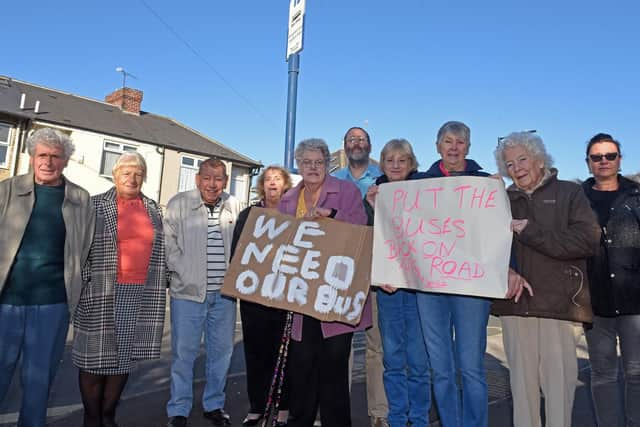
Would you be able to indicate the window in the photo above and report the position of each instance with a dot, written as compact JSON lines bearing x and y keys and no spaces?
{"x":239,"y":187}
{"x":110,"y":154}
{"x":188,"y":169}
{"x":4,"y":143}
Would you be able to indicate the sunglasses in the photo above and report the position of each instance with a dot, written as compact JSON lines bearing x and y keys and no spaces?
{"x":595,"y":158}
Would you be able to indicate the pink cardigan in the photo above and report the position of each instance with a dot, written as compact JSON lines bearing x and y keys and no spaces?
{"x":345,"y":198}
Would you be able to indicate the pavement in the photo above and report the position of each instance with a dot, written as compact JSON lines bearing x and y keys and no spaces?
{"x":144,"y":399}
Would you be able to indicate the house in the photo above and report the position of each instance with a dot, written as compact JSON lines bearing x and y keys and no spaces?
{"x":101,"y":131}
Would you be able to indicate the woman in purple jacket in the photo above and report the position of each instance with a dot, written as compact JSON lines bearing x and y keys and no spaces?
{"x":319,"y":352}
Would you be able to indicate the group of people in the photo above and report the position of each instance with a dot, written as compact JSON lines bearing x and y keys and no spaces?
{"x":104,"y":263}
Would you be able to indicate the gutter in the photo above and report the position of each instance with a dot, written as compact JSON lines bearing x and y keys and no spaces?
{"x":160,"y":150}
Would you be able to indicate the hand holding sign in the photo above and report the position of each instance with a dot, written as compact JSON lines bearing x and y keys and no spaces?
{"x":518,"y":225}
{"x":388,"y":288}
{"x":317,"y":212}
{"x":372,"y":192}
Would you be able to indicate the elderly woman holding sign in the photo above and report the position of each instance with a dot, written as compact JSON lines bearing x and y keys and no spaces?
{"x":319,"y":354}
{"x":555,"y":231}
{"x":443,"y":315}
{"x":406,"y":365}
{"x":262,"y":326}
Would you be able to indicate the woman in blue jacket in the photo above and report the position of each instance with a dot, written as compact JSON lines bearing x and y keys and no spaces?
{"x":445,"y":315}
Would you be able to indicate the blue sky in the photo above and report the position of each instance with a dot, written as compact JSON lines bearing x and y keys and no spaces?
{"x":567,"y":69}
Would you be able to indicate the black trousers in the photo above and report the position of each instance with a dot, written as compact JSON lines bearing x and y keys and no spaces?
{"x":262,"y":329}
{"x":319,"y":377}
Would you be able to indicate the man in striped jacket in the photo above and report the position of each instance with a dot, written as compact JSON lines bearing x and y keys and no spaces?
{"x":198,"y":232}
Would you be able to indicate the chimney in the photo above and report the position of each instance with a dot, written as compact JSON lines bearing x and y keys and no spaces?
{"x":126,"y":99}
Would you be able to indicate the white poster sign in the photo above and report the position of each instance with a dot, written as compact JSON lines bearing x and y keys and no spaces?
{"x":296,"y":26}
{"x":448,"y":235}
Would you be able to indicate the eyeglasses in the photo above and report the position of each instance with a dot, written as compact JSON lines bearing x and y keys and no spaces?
{"x":354,"y":139}
{"x":595,"y":158}
{"x":315,"y":163}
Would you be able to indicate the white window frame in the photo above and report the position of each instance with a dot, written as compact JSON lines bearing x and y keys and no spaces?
{"x":110,"y":146}
{"x":5,"y":162}
{"x":197,"y":161}
{"x":239,"y":176}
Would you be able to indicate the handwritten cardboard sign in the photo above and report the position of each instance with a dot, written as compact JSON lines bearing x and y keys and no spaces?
{"x":447,"y":235}
{"x":316,"y":267}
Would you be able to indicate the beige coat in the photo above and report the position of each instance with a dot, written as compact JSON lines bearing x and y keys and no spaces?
{"x":185,"y":230}
{"x":17,"y":198}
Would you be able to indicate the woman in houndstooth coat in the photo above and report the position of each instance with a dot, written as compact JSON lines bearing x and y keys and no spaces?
{"x":120,"y":316}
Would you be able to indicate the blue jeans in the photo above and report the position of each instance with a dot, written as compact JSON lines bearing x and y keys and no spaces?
{"x":443,"y":316}
{"x":216,"y":318}
{"x":38,"y":332}
{"x":611,"y":406}
{"x":406,"y":375}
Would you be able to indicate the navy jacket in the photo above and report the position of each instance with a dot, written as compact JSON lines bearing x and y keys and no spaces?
{"x":471,"y":169}
{"x":614,"y":272}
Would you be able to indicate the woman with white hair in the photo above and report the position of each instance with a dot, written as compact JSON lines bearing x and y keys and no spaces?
{"x":120,"y":315}
{"x":555,"y":230}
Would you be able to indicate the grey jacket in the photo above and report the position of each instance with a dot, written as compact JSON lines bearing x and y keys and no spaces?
{"x":185,"y":229}
{"x":17,"y":198}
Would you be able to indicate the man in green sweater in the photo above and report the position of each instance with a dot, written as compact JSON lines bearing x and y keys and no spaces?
{"x":46,"y":226}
